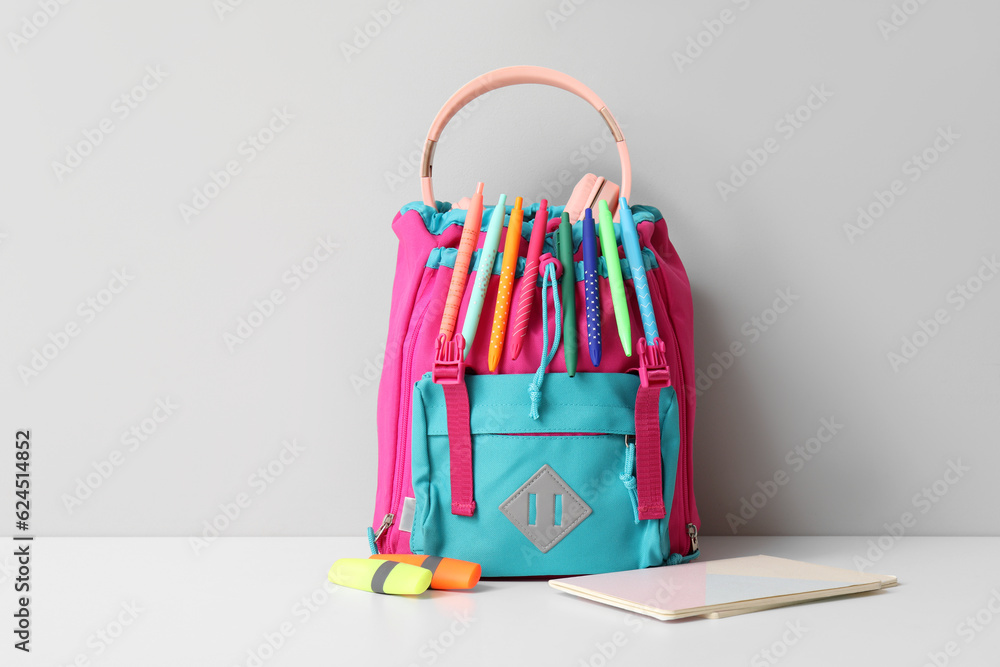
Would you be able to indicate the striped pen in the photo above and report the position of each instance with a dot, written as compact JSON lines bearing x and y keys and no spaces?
{"x":526,"y":299}
{"x":633,"y":253}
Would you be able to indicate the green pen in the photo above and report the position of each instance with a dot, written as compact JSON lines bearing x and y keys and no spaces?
{"x":609,"y":248}
{"x":568,"y":293}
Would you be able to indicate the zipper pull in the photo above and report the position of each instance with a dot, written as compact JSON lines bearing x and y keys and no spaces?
{"x":386,"y":522}
{"x":693,"y":534}
{"x":629,"y":440}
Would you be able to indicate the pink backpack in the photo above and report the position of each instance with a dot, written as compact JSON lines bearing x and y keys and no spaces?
{"x":599,"y":478}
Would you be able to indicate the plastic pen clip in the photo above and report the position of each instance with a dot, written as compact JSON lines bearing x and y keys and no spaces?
{"x":449,"y":360}
{"x":653,"y":369}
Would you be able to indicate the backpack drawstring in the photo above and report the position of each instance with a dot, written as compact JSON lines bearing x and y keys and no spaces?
{"x":535,"y":389}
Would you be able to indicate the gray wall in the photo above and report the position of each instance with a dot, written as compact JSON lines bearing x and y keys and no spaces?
{"x":337,"y":170}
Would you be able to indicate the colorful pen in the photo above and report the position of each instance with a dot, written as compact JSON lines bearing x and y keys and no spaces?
{"x":487,"y":256}
{"x":591,"y":294}
{"x":570,"y":342}
{"x":633,"y":253}
{"x":609,"y":246}
{"x":470,"y":239}
{"x":510,"y":250}
{"x":526,"y":299}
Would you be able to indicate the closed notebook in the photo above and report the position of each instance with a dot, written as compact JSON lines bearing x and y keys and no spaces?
{"x":720,"y":588}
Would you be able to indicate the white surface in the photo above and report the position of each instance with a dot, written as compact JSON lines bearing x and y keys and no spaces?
{"x":310,"y":371}
{"x":211,"y":609}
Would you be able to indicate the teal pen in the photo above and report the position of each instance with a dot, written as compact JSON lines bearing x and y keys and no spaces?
{"x":633,"y":253}
{"x":484,"y":270}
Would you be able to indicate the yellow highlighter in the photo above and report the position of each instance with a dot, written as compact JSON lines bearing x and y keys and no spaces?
{"x":378,"y":576}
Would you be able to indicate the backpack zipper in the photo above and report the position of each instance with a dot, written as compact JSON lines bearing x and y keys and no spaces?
{"x":402,"y":444}
{"x":681,"y":390}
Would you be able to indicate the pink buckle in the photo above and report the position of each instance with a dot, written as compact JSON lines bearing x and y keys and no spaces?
{"x":449,"y":360}
{"x":653,"y":369}
{"x":545,"y":260}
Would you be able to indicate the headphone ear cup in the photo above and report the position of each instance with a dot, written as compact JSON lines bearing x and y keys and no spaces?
{"x":582,"y":195}
{"x":587,"y":192}
{"x":609,"y":193}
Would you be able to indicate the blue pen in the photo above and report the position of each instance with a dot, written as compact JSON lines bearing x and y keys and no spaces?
{"x":633,"y":253}
{"x":487,"y":256}
{"x":591,"y":294}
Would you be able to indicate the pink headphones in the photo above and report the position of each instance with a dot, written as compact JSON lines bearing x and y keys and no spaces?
{"x":590,"y":189}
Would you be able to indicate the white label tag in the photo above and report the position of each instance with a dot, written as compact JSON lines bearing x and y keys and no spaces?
{"x":406,"y":515}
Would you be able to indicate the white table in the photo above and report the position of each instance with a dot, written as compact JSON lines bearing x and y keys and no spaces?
{"x":152,"y":601}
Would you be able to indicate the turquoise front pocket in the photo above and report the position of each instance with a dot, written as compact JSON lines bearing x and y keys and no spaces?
{"x":551,"y":494}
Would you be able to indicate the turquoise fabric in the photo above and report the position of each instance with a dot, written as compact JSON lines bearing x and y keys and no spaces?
{"x":439,"y":257}
{"x":508,"y":447}
{"x":438,"y":222}
{"x":444,"y":216}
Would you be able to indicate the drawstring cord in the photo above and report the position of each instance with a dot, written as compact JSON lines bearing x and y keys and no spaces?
{"x":535,"y":389}
{"x":628,"y":479}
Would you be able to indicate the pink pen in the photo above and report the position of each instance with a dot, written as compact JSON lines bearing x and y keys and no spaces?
{"x":526,"y":300}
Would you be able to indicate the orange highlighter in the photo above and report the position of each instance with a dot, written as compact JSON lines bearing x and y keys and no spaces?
{"x":470,"y":239}
{"x":447,"y":573}
{"x":511,"y":247}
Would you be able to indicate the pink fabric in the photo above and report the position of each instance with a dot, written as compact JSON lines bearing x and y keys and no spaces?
{"x":418,"y":299}
{"x":456,"y":400}
{"x":648,"y":470}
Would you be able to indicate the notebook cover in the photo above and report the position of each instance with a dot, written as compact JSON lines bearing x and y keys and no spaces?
{"x":720,"y":588}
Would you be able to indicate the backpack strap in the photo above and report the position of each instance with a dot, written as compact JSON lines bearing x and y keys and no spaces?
{"x":449,"y":372}
{"x":654,"y":375}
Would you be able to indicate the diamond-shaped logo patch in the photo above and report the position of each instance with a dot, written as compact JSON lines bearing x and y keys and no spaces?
{"x":545,"y":509}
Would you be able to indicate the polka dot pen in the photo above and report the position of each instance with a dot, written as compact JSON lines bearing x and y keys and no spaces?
{"x":510,"y":250}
